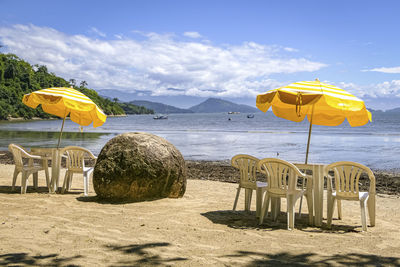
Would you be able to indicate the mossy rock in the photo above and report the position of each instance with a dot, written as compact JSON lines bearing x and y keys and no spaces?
{"x":137,"y":167}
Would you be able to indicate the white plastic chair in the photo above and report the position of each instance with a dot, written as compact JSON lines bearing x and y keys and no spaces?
{"x":27,"y":169}
{"x":247,"y":166}
{"x":345,"y":187}
{"x":76,"y":164}
{"x":282,"y":179}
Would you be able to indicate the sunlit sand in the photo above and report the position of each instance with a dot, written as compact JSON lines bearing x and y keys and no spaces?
{"x":198,"y":229}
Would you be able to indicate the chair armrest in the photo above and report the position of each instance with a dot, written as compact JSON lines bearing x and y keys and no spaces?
{"x":29,"y":156}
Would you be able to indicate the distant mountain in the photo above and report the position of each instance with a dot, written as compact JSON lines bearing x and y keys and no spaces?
{"x":180,"y":101}
{"x":159,"y":107}
{"x":388,"y":111}
{"x":395,"y":110}
{"x":213,"y":105}
{"x":374,"y":110}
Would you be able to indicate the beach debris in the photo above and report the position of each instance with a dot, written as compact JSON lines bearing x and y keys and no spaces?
{"x":137,"y":167}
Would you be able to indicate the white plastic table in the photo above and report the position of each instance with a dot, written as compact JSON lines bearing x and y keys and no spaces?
{"x":318,"y":188}
{"x":54,"y":155}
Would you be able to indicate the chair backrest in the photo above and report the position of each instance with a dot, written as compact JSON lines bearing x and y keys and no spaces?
{"x":346,"y":177}
{"x":247,"y":166}
{"x":281,"y":175}
{"x":18,"y":152}
{"x":76,"y":157}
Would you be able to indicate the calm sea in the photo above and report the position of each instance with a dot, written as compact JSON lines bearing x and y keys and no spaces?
{"x":215,"y":137}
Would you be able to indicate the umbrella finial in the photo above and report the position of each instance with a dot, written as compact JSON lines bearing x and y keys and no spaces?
{"x":317,"y":80}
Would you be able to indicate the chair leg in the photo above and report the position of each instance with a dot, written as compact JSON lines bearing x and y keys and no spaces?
{"x":301,"y":203}
{"x":275,"y":207}
{"x":259,"y":199}
{"x":264,"y":209}
{"x":85,"y":184}
{"x":14,"y":179}
{"x":290,"y":212}
{"x":35,"y":180}
{"x":247,"y":199}
{"x":71,"y":175}
{"x":363,"y":215}
{"x":310,"y":205}
{"x":24,"y":183}
{"x":46,"y":171}
{"x":236,"y":198}
{"x":339,"y":209}
{"x":65,"y":182}
{"x":371,"y":209}
{"x":330,"y":207}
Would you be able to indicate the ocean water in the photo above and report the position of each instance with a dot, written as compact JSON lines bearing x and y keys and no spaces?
{"x":215,"y":137}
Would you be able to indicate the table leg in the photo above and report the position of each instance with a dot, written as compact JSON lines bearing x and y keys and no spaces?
{"x":371,"y":209}
{"x":55,"y":169}
{"x":318,"y":183}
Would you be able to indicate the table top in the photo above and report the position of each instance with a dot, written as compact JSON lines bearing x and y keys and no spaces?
{"x":44,"y":151}
{"x":303,"y":165}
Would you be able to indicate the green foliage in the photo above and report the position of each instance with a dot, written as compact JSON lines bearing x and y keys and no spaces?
{"x":18,"y":77}
{"x":133,"y":109}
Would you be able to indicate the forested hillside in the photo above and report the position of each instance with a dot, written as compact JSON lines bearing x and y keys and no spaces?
{"x":18,"y":77}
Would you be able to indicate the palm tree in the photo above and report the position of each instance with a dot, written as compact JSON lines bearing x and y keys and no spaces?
{"x":83,"y":84}
{"x":72,"y":82}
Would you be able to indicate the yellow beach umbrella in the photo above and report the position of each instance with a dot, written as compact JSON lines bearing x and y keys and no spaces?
{"x":323,"y":104}
{"x":62,"y":101}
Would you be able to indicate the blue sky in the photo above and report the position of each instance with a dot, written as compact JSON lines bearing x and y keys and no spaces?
{"x":197,"y":49}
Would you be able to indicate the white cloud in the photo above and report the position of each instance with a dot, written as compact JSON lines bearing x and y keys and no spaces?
{"x":98,"y":32}
{"x":194,"y":35}
{"x":388,"y":89}
{"x":386,"y":70}
{"x":290,"y":49}
{"x":155,"y":62}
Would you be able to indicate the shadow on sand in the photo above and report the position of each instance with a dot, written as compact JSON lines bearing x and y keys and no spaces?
{"x":143,"y":257}
{"x":130,"y":255}
{"x":306,"y":259}
{"x":110,"y":201}
{"x":248,"y":220}
{"x":136,"y":255}
{"x":23,"y":259}
{"x":8,"y":190}
{"x":40,"y":190}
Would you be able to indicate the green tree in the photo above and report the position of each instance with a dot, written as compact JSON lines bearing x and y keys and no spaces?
{"x":83,"y":84}
{"x":18,"y":77}
{"x":72,"y":82}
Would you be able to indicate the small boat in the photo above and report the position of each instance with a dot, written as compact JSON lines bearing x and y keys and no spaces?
{"x":160,"y":117}
{"x":233,"y":112}
{"x":250,"y":116}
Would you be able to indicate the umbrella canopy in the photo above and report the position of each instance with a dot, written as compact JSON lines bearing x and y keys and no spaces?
{"x":62,"y":101}
{"x":323,"y":104}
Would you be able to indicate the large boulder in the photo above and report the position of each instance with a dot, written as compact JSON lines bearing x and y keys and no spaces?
{"x":137,"y":167}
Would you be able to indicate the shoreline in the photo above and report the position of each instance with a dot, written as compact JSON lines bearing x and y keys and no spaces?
{"x":38,"y":118}
{"x":387,"y":181}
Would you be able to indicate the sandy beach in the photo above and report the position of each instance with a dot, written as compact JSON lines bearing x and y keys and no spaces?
{"x":199,"y":229}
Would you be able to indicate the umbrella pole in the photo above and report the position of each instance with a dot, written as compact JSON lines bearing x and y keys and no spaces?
{"x":309,"y":133}
{"x":62,"y":127}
